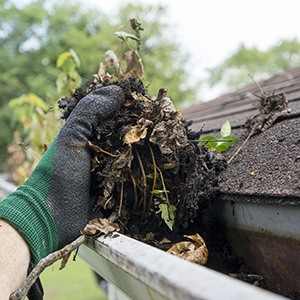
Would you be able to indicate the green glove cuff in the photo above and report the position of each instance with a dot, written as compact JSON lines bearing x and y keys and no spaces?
{"x":26,"y":210}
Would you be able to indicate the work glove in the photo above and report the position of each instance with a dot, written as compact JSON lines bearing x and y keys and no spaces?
{"x":51,"y":208}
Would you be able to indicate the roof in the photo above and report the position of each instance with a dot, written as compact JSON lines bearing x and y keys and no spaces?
{"x":269,"y":163}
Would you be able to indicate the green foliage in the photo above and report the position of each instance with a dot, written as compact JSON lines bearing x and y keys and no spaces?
{"x":39,"y":121}
{"x":222,"y":144}
{"x":6,"y":133}
{"x":167,"y":214}
{"x":134,"y":66}
{"x":167,"y":210}
{"x":68,"y":80}
{"x":32,"y":37}
{"x":233,"y":72}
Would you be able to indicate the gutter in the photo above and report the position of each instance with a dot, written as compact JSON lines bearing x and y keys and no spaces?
{"x":265,"y":232}
{"x":143,"y":272}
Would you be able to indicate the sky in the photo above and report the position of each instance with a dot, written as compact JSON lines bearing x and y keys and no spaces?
{"x":212,"y":30}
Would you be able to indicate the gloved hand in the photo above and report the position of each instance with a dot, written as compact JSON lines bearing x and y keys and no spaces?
{"x":51,"y":208}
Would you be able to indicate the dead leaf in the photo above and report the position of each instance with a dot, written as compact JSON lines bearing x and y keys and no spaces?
{"x":64,"y":261}
{"x":124,"y":160}
{"x":140,"y":98}
{"x":165,"y":241}
{"x":99,"y":226}
{"x":137,"y":132}
{"x":134,"y":64}
{"x":169,"y":133}
{"x":110,"y":55}
{"x":150,"y":236}
{"x":253,"y":172}
{"x":194,"y":251}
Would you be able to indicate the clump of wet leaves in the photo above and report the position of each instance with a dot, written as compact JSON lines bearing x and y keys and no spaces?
{"x":149,"y":171}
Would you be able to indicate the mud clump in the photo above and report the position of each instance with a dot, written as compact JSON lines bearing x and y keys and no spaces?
{"x":145,"y":156}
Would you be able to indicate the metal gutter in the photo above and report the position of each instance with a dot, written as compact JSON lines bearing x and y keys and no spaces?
{"x":266,"y":234}
{"x":143,"y":272}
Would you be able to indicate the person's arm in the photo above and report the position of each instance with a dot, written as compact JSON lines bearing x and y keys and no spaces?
{"x":14,"y":260}
{"x":52,"y":207}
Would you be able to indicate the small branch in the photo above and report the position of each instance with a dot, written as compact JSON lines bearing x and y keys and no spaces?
{"x":144,"y":198}
{"x":98,"y":149}
{"x":256,"y":84}
{"x":210,"y":141}
{"x":45,"y":262}
{"x":135,"y":192}
{"x":154,"y":176}
{"x":121,"y":199}
{"x":238,"y":150}
{"x":120,"y":61}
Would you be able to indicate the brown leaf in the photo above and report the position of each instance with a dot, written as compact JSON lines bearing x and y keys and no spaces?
{"x":150,"y":236}
{"x":135,"y":135}
{"x":110,"y":55}
{"x":99,"y":226}
{"x":137,"y":132}
{"x":134,"y":63}
{"x":165,"y":241}
{"x":140,"y":98}
{"x":64,"y":261}
{"x":194,"y":251}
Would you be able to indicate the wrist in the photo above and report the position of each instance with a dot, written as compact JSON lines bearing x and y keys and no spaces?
{"x":14,"y":259}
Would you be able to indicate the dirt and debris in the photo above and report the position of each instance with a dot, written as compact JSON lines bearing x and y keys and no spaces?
{"x":270,"y":106}
{"x":148,"y":136}
{"x":151,"y":174}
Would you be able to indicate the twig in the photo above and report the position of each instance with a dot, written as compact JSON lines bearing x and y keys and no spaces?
{"x":238,"y":150}
{"x":144,"y":198}
{"x":262,"y":91}
{"x":154,"y":176}
{"x":45,"y":262}
{"x":210,"y":141}
{"x":121,"y":199}
{"x":135,"y":192}
{"x":163,"y":184}
{"x":98,"y":149}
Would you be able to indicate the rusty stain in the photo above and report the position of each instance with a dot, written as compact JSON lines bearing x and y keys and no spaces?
{"x":273,"y":257}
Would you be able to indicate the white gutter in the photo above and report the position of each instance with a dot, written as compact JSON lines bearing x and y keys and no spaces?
{"x":143,"y":272}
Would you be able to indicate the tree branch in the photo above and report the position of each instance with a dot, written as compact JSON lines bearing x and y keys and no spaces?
{"x":45,"y":262}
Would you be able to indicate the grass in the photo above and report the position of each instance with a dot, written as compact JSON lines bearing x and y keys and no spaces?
{"x":76,"y":281}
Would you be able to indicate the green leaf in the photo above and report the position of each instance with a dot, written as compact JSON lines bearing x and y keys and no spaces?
{"x":151,"y":176}
{"x":221,"y":148}
{"x":229,"y":137}
{"x":106,"y":202}
{"x":75,"y":57}
{"x":167,"y":214}
{"x":62,"y":57}
{"x":158,"y":192}
{"x":68,"y":65}
{"x":209,"y":144}
{"x":124,"y":36}
{"x":226,"y":129}
{"x":61,"y":80}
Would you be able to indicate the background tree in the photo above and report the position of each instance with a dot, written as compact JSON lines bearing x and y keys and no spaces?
{"x":32,"y":37}
{"x":233,"y":72}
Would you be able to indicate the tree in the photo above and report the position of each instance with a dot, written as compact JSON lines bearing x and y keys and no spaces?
{"x":233,"y":72}
{"x":32,"y":37}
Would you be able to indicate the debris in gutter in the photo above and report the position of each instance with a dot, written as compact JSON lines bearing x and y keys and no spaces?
{"x":270,"y":107}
